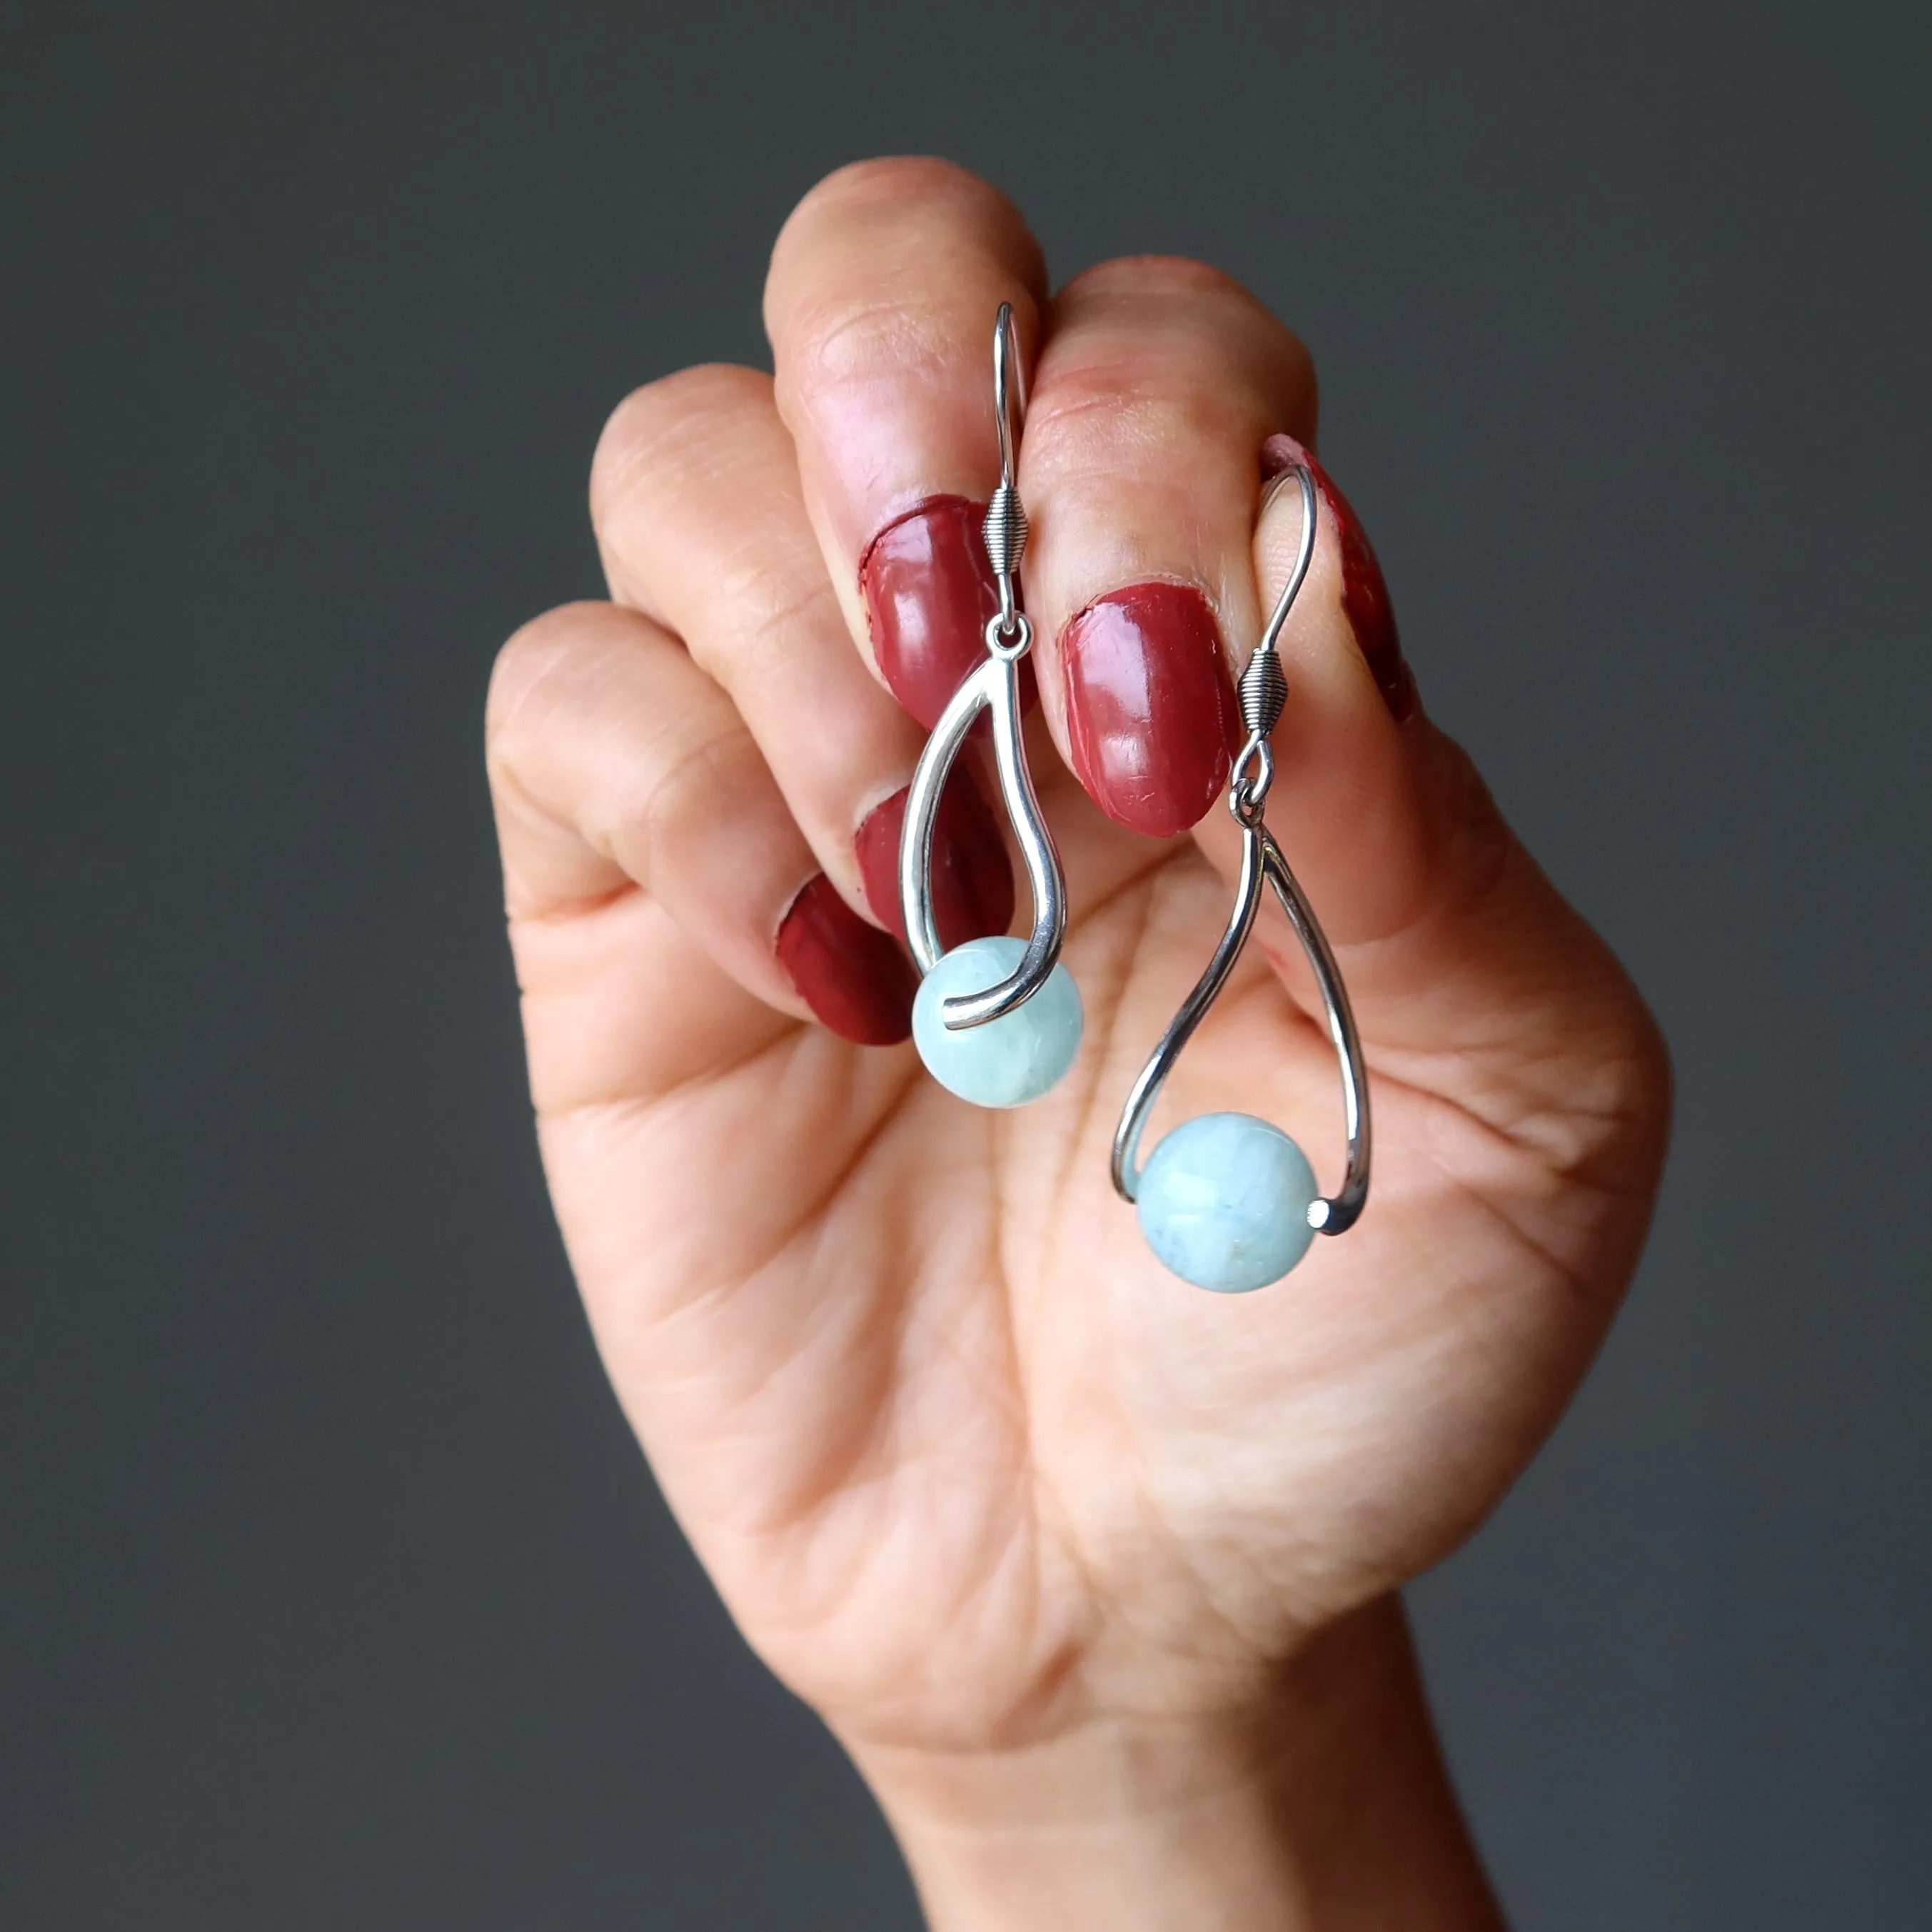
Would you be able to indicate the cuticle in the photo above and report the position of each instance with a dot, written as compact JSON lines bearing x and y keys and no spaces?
{"x":1173,"y":580}
{"x":924,"y":506}
{"x":791,"y":906}
{"x":878,"y":804}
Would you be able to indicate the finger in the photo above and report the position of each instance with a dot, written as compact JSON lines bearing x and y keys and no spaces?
{"x":617,"y":766}
{"x":1158,"y":384}
{"x":696,"y":497}
{"x":1157,"y":417}
{"x":879,"y":304}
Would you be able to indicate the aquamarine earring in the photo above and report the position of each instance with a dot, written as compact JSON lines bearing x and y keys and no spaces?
{"x":997,"y":1020}
{"x":1226,"y":1200}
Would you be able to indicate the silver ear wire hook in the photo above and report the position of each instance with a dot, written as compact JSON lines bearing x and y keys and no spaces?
{"x":1264,"y":692}
{"x":992,"y":687}
{"x":1005,"y":523}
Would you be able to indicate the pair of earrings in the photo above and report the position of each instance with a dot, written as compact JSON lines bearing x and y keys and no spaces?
{"x":1226,"y":1200}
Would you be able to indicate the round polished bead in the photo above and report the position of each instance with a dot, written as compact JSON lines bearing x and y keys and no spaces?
{"x":1009,"y":1060}
{"x":1224,"y":1200}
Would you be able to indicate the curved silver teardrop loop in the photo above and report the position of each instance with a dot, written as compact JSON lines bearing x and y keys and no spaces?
{"x":1337,"y":1212}
{"x":1261,"y":859}
{"x":1126,"y":1165}
{"x":1263,"y":691}
{"x":993,"y":687}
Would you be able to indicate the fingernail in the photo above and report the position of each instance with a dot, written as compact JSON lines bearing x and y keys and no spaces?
{"x":929,"y":590}
{"x":851,"y":975}
{"x":1365,"y":598}
{"x":1150,"y":712}
{"x":972,"y":877}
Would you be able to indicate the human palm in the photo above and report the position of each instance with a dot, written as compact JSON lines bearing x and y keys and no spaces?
{"x":968,"y":1466}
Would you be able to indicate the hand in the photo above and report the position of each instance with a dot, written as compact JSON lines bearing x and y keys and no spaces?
{"x":1047,"y":1537}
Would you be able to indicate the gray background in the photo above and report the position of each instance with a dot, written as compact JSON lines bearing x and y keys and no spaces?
{"x":332,"y":1590}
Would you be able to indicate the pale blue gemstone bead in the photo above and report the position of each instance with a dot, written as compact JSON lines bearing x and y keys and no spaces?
{"x":1224,"y":1200}
{"x":1009,"y":1060}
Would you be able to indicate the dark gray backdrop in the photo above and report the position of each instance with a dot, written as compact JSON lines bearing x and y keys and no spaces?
{"x":332,"y":1591}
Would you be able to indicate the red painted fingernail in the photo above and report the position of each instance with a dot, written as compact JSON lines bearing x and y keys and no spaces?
{"x":928,"y":589}
{"x":1365,"y":598}
{"x":972,"y":877}
{"x":1151,"y":712}
{"x":850,"y":974}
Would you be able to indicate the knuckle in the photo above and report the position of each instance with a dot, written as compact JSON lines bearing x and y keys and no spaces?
{"x":1149,"y":320}
{"x":528,"y":662}
{"x":1141,"y":277}
{"x":843,"y":336}
{"x":541,"y":675}
{"x":661,"y":421}
{"x":765,"y":613}
{"x":1124,"y":416}
{"x":890,"y":181}
{"x":858,"y":270}
{"x":682,"y":793}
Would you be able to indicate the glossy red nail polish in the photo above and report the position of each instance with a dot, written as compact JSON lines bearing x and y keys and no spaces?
{"x":853,"y":977}
{"x":929,"y":590}
{"x":1365,"y":598}
{"x":972,"y":877}
{"x":1150,"y":710}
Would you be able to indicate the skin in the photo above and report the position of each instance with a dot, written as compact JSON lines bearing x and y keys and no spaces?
{"x":1093,"y":1574}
